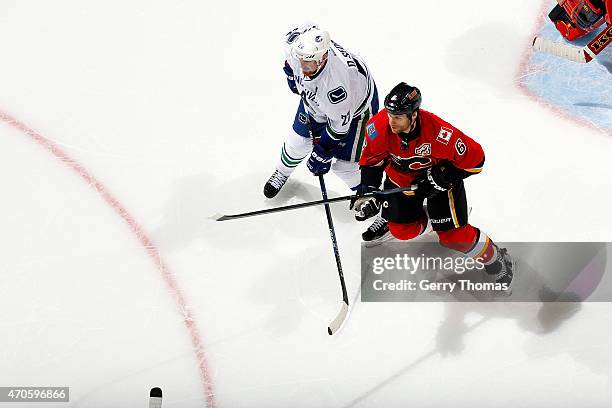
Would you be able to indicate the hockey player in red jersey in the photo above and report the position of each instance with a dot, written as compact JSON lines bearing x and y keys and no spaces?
{"x":576,"y":18}
{"x":415,"y":147}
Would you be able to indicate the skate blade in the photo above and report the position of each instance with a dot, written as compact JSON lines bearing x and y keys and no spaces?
{"x":379,"y":241}
{"x":513,"y":266}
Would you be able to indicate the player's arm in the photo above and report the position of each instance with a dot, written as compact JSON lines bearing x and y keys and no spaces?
{"x":466,"y":157}
{"x":339,"y":117}
{"x":374,"y":156}
{"x":463,"y":156}
{"x":290,"y":77}
{"x":372,"y":164}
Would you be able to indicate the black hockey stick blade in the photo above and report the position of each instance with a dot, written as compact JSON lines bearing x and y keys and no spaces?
{"x":224,"y":217}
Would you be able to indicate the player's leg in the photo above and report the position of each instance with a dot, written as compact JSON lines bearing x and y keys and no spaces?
{"x":404,"y":215}
{"x":448,"y":212}
{"x":348,"y":152}
{"x":406,"y":232}
{"x":346,"y":166}
{"x":348,"y":172}
{"x":295,"y":148}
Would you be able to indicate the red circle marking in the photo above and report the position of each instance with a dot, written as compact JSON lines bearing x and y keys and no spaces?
{"x":145,"y":241}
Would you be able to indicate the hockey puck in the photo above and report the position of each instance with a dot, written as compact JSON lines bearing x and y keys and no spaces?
{"x":155,"y":400}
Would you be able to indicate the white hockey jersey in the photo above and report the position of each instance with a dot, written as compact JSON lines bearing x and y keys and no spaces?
{"x":339,"y":92}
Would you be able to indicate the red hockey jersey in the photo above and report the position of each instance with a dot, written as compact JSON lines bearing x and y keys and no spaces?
{"x":435,"y":141}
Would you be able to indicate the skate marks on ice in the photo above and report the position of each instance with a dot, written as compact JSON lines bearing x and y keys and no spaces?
{"x":184,"y":221}
{"x":483,"y":54}
{"x":413,"y":365}
{"x":286,"y":258}
{"x":558,"y":305}
{"x":594,"y":105}
{"x":309,"y":289}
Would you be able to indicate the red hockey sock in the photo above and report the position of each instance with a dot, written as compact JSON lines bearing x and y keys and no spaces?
{"x":471,"y":241}
{"x":406,"y":232}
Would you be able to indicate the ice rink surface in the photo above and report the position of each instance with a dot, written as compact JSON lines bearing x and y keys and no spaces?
{"x":125,"y":124}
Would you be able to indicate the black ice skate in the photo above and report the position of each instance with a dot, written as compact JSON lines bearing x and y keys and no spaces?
{"x":276,"y":181}
{"x":377,"y":233}
{"x":503,"y":269}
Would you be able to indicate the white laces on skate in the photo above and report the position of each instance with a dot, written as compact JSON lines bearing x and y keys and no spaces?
{"x":377,"y":224}
{"x":504,"y":267}
{"x":277,"y":179}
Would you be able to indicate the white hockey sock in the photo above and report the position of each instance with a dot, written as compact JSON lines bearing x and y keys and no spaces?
{"x":294,"y":150}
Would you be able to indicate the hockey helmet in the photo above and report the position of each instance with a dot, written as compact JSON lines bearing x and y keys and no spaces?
{"x":311,"y":45}
{"x":403,"y":99}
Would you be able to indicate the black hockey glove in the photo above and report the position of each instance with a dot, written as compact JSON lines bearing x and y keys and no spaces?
{"x":365,"y":207}
{"x":436,"y":179}
{"x":320,"y":160}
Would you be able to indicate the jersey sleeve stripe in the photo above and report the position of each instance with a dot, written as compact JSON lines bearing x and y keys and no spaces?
{"x":362,"y":68}
{"x":377,"y":156}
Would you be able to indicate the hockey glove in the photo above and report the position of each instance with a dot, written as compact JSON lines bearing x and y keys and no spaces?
{"x":290,"y":78}
{"x":365,"y":207}
{"x":320,"y":159}
{"x":434,"y":180}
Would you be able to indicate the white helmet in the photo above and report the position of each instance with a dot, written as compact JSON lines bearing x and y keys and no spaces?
{"x":311,"y":45}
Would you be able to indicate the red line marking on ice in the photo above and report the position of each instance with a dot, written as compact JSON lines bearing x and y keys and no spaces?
{"x":168,"y":277}
{"x":523,"y":70}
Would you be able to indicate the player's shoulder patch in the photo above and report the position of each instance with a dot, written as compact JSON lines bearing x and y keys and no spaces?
{"x":371,"y":131}
{"x":337,"y":95}
{"x":460,"y":147}
{"x":445,"y":134}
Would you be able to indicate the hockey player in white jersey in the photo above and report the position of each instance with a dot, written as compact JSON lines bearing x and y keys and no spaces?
{"x":341,"y":97}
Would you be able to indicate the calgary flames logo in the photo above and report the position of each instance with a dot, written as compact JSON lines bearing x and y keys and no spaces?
{"x":408,"y":164}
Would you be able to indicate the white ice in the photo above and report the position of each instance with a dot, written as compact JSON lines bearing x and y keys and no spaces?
{"x":179,"y":108}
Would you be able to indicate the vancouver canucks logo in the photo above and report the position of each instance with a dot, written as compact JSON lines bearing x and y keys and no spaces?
{"x":292,"y":36}
{"x":337,"y":95}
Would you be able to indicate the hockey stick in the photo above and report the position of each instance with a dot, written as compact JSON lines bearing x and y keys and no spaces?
{"x":335,"y":324}
{"x":573,"y":53}
{"x":226,"y":217}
